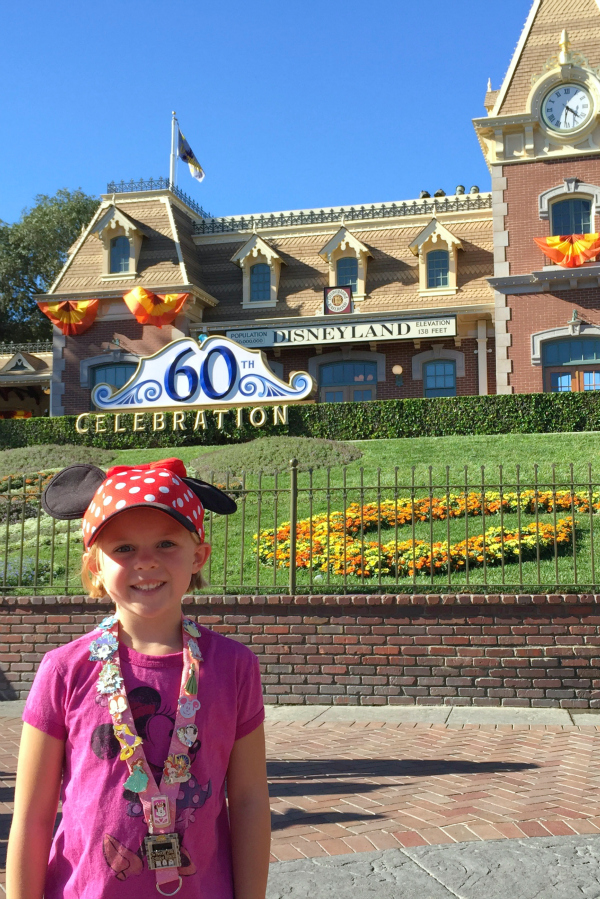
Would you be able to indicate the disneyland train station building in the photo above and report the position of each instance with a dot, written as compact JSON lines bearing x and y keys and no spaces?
{"x":445,"y":295}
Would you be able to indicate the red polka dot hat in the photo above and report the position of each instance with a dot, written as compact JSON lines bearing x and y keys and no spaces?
{"x":84,"y":491}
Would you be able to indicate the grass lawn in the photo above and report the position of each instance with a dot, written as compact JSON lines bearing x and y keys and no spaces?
{"x":508,"y":450}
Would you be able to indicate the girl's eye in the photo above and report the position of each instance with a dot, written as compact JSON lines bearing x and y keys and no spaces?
{"x":166,"y":544}
{"x":124,"y":549}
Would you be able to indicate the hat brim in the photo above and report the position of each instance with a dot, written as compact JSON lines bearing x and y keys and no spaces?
{"x":160,"y":507}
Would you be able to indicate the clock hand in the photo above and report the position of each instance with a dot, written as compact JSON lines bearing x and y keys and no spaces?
{"x":572,"y":111}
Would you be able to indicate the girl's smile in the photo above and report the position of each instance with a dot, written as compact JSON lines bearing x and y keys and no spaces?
{"x":146,"y":560}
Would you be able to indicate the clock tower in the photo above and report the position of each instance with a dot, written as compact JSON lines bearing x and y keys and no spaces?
{"x":541,"y":140}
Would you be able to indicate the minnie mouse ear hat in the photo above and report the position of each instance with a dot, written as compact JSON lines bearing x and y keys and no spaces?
{"x":84,"y":491}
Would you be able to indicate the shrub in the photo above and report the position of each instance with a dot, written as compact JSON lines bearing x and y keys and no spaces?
{"x":535,"y":413}
{"x":43,"y":457}
{"x":271,"y":454}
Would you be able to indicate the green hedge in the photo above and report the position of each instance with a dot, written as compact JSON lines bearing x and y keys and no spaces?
{"x":519,"y":414}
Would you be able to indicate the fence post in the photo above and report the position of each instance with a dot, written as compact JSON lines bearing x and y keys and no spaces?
{"x":293,"y":523}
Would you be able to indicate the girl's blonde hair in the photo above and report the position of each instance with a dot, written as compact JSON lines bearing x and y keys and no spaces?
{"x":94,"y":584}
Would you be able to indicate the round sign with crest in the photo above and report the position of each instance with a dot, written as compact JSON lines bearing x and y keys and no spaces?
{"x":338,"y":299}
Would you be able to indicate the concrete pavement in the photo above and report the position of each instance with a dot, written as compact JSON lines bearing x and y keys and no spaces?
{"x":557,"y":868}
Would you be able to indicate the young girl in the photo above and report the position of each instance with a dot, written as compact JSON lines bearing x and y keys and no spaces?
{"x":145,"y":719}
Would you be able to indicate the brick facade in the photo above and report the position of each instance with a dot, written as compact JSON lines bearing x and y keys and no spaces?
{"x":531,"y":313}
{"x":525,"y":651}
{"x":133,"y":338}
{"x":524,"y":185}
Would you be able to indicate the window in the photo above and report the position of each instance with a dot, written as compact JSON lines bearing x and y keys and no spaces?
{"x":345,"y":382}
{"x":347,"y":273}
{"x":438,"y":268}
{"x":571,"y":365}
{"x":119,"y":255}
{"x":260,"y":283}
{"x":439,"y":378}
{"x":572,"y":217}
{"x":116,"y":374}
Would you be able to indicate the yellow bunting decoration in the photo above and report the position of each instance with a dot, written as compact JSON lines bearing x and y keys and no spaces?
{"x":570,"y":250}
{"x":154,"y":308}
{"x":71,"y":316}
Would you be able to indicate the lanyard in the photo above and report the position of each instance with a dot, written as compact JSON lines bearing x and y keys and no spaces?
{"x":158,"y":803}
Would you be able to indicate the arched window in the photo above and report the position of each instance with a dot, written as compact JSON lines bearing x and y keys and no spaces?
{"x":119,"y":255}
{"x":260,"y":282}
{"x":438,"y":268}
{"x":348,"y":382}
{"x":347,"y":272}
{"x":572,"y":216}
{"x":116,"y":374}
{"x":439,"y":378}
{"x":571,"y":365}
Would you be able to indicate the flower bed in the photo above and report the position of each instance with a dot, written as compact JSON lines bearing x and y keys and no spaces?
{"x":337,"y":543}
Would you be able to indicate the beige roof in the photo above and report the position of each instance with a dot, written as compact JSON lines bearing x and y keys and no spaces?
{"x":540,"y":41}
{"x":158,"y":262}
{"x":392,"y":273}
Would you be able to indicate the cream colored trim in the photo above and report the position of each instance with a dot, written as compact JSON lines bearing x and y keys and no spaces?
{"x":257,"y":251}
{"x":583,"y":330}
{"x":344,"y":244}
{"x":516,"y":57}
{"x":438,"y":352}
{"x":482,"y":374}
{"x":167,"y":203}
{"x":76,"y":247}
{"x":503,"y":341}
{"x":121,"y":276}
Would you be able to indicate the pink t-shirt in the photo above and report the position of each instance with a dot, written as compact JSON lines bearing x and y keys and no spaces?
{"x":97,"y":852}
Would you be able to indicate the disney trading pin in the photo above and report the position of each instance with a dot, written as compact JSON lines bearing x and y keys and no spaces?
{"x":160,"y":813}
{"x":187,"y":734}
{"x":188,"y":707}
{"x":177,"y":768}
{"x":162,"y":851}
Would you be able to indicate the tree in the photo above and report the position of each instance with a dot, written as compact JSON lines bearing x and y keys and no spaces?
{"x":32,"y":253}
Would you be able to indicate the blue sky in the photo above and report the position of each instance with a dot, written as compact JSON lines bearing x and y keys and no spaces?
{"x":287,"y":105}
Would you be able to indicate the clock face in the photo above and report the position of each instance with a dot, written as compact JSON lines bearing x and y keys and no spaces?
{"x":566,"y":108}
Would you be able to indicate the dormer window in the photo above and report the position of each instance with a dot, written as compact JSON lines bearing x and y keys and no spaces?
{"x":120,"y":251}
{"x":347,"y":273}
{"x":437,"y":250}
{"x":121,"y":239}
{"x":438,"y":268}
{"x":347,"y":257}
{"x":260,"y":283}
{"x":260,"y":265}
{"x":572,"y":216}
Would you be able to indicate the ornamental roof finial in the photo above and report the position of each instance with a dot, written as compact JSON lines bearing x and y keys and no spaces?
{"x":564,"y":56}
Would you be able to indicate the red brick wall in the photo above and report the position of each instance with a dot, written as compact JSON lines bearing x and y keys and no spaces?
{"x":370,"y":650}
{"x":401,"y":353}
{"x":524,"y":185}
{"x":531,"y":313}
{"x":133,"y":337}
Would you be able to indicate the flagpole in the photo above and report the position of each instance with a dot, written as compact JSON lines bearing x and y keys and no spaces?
{"x":173,"y":171}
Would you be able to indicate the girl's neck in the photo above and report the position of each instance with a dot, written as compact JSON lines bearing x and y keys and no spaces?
{"x":153,"y":637}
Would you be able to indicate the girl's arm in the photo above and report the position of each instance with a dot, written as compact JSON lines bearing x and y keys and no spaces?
{"x":249,"y":815}
{"x":36,"y":801}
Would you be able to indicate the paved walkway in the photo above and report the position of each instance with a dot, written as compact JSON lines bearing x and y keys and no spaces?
{"x":420,"y":802}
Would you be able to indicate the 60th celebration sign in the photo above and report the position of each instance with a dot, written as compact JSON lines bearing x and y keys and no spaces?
{"x":215,"y":374}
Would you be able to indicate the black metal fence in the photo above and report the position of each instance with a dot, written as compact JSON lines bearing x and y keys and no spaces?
{"x":337,"y":531}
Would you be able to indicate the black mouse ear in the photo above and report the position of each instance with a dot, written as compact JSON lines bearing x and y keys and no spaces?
{"x":211,"y":497}
{"x":70,"y":492}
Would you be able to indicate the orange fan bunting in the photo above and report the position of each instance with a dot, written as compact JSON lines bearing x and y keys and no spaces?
{"x":71,"y":316}
{"x":570,"y":250}
{"x":154,"y":308}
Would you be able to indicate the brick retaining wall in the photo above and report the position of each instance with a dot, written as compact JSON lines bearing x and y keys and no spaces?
{"x":370,"y":650}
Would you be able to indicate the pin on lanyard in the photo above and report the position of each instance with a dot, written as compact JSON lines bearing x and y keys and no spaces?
{"x":162,"y":846}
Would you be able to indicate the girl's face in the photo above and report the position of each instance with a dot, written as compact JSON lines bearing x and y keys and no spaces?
{"x":146,"y":560}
